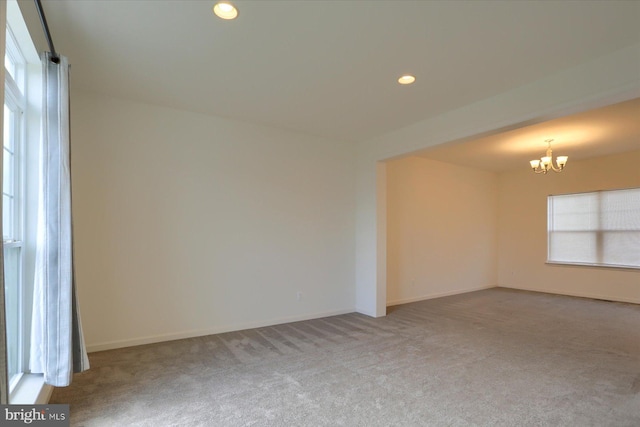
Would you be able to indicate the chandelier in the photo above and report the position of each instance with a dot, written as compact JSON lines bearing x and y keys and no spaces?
{"x":545,"y":164}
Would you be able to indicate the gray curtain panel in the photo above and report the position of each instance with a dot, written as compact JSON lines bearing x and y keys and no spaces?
{"x":57,"y":344}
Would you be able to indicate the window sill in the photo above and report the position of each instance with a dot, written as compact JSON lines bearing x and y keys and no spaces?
{"x":31,"y":390}
{"x":590,"y":265}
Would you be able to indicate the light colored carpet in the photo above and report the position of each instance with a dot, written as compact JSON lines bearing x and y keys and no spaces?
{"x":493,"y":357}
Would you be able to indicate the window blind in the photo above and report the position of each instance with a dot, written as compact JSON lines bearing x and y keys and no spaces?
{"x":598,"y":228}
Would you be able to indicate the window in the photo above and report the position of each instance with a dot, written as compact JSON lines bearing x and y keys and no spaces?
{"x":13,"y":205}
{"x":21,"y":135}
{"x":600,"y":228}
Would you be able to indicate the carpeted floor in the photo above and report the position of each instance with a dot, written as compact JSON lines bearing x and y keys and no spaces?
{"x":494,"y":357}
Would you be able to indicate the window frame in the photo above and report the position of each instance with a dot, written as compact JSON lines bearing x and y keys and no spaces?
{"x":17,"y":58}
{"x":24,"y":92}
{"x":598,"y":233}
{"x":15,"y":100}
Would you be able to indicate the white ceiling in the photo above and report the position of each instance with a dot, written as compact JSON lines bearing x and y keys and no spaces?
{"x":329,"y":68}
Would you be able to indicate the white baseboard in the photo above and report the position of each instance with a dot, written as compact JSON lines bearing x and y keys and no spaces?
{"x":575,"y":294}
{"x":438,"y":295}
{"x":366,"y":312}
{"x":110,"y":345}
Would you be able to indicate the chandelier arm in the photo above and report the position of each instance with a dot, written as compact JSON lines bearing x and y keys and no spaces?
{"x":555,"y":169}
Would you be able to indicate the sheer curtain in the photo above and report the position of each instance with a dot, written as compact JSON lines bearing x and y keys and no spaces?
{"x":57,"y":344}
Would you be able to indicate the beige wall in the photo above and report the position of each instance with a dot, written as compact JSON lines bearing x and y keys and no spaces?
{"x":523,"y":221}
{"x":452,"y":229}
{"x":187,"y":224}
{"x":441,"y":229}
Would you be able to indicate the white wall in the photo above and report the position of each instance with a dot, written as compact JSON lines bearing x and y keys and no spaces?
{"x":441,"y":229}
{"x":523,"y":225}
{"x":263,"y":213}
{"x":187,"y":224}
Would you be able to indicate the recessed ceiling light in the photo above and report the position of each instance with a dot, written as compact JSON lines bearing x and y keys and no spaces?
{"x":225,"y":10}
{"x":407,"y":79}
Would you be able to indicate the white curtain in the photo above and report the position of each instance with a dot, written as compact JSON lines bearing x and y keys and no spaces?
{"x":57,"y":344}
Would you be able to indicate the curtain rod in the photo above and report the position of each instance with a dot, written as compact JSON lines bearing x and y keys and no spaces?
{"x":43,"y":20}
